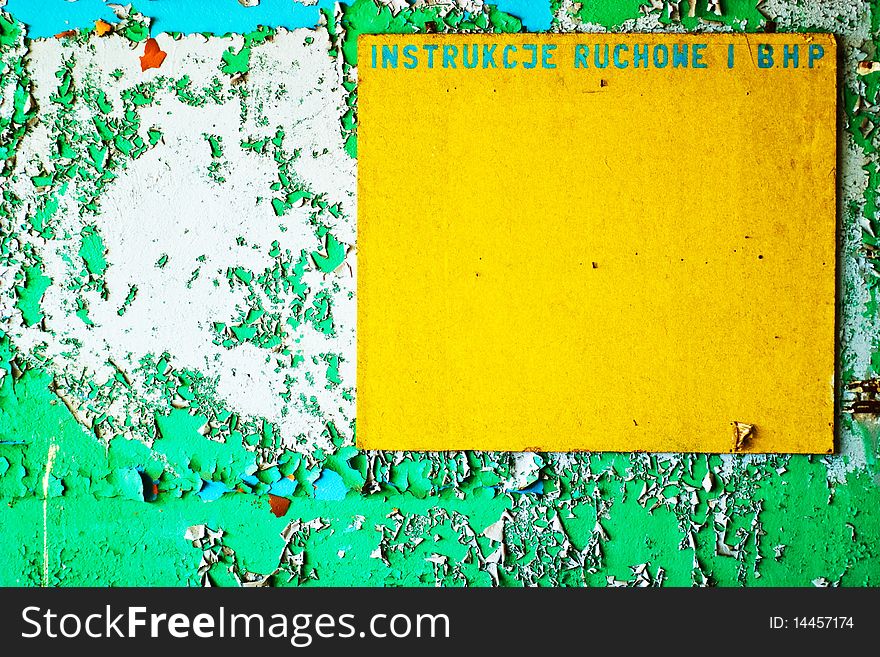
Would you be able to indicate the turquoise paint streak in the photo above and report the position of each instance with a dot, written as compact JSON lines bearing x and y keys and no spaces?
{"x":46,"y":18}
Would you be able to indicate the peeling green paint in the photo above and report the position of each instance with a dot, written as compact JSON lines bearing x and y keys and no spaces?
{"x":92,"y":251}
{"x":30,"y":294}
{"x":130,"y":486}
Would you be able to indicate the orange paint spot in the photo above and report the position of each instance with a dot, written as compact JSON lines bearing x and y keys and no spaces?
{"x":153,"y":55}
{"x":66,"y":33}
{"x":278,"y":505}
{"x":102,"y":27}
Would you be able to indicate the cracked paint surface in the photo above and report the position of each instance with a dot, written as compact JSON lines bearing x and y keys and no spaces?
{"x":177,"y":268}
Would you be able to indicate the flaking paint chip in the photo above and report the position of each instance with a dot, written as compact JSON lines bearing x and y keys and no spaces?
{"x":153,"y":55}
{"x":742,"y":433}
{"x":868,"y":67}
{"x":102,"y":27}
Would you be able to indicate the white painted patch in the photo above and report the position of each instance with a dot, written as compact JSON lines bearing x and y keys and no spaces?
{"x":165,"y":203}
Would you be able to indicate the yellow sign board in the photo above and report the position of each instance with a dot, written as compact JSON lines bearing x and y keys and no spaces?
{"x":596,"y":242}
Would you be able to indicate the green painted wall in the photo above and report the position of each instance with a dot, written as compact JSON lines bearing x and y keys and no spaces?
{"x":98,"y":497}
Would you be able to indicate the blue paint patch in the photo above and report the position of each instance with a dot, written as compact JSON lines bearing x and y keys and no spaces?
{"x":47,"y":18}
{"x":283,"y":487}
{"x":329,"y":487}
{"x":213,"y":490}
{"x":534,"y":14}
